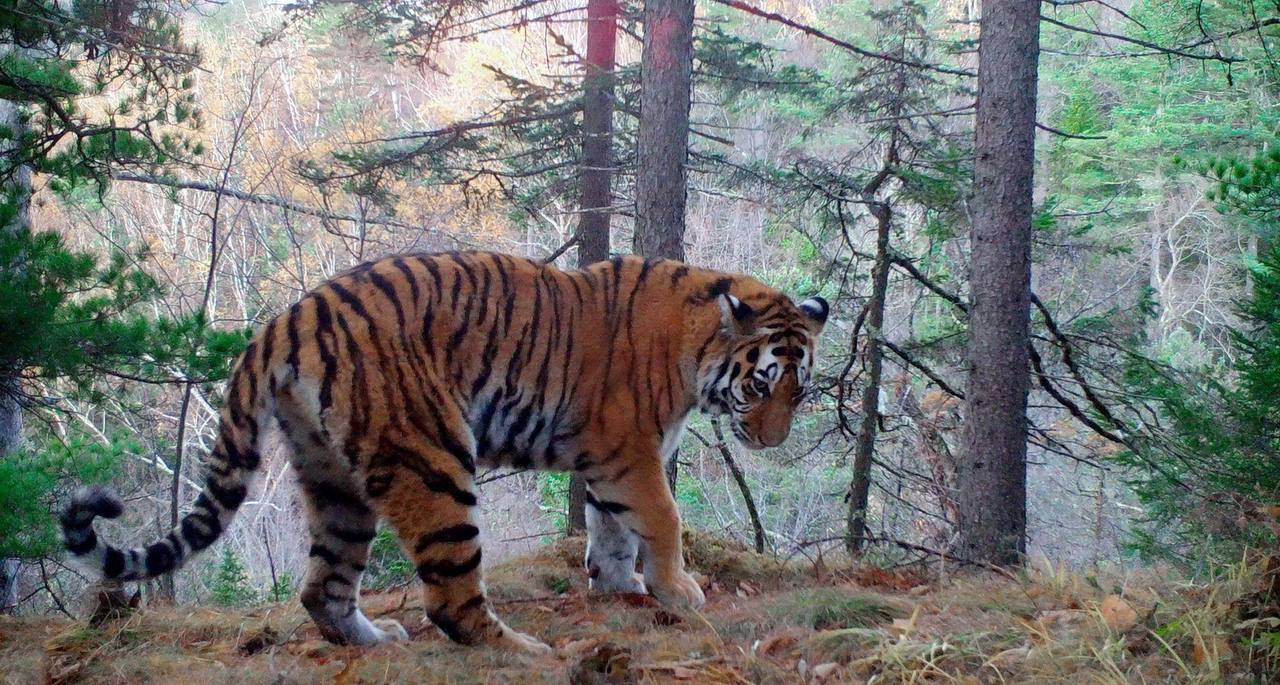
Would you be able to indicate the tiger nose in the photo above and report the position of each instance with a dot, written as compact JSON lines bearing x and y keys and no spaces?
{"x":775,"y":437}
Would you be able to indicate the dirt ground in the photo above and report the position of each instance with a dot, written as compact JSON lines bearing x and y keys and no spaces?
{"x":764,"y":622}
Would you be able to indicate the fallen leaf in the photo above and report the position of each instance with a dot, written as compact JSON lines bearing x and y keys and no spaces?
{"x":1118,"y":614}
{"x":343,"y":677}
{"x":905,"y":626}
{"x":576,"y":647}
{"x":775,"y":645}
{"x":823,"y":672}
{"x":1062,"y":617}
{"x":1216,"y":650}
{"x":607,"y":664}
{"x":259,"y":641}
{"x":666,"y":618}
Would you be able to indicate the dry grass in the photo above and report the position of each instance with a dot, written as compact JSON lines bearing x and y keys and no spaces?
{"x":764,"y":623}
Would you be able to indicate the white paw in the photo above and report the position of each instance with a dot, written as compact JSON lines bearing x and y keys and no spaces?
{"x":681,"y":591}
{"x":631,"y":582}
{"x":390,"y":630}
{"x":521,"y":643}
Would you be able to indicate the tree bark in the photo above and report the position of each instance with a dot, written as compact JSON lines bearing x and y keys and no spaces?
{"x":662,"y":143}
{"x":596,"y":174}
{"x":864,"y":452}
{"x":16,"y":186}
{"x":991,"y":471}
{"x":663,"y":139}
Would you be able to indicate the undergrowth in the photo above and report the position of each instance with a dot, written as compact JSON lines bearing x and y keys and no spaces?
{"x":765,"y":622}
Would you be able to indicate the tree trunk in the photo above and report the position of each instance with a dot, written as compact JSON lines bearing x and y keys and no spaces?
{"x":15,"y":184}
{"x":991,"y":471}
{"x":596,"y":174}
{"x":662,"y":143}
{"x":860,"y":485}
{"x":663,"y":140}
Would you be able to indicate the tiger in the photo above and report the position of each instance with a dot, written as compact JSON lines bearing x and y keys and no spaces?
{"x":393,"y":381}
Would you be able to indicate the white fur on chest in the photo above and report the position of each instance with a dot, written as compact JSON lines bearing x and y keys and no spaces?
{"x":671,"y":437}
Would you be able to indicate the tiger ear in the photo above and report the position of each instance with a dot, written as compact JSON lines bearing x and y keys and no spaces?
{"x":815,"y":309}
{"x":736,"y":316}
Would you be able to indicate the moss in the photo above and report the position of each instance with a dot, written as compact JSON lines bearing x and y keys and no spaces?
{"x":730,"y":562}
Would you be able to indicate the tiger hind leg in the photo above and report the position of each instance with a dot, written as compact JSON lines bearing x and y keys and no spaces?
{"x":342,"y":532}
{"x":428,"y":497}
{"x":342,"y":526}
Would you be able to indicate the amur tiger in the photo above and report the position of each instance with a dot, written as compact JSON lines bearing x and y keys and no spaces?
{"x":392,"y":381}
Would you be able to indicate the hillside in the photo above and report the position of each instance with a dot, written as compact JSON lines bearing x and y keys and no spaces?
{"x":764,"y":623}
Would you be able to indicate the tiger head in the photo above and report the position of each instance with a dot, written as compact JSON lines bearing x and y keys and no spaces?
{"x":763,"y":367}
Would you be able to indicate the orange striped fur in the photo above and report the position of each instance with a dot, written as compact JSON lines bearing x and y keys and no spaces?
{"x":391,"y":382}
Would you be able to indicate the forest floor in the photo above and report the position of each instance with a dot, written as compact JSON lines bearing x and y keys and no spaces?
{"x":764,"y":622}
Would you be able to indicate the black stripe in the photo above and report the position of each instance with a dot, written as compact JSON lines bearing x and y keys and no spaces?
{"x":86,"y":545}
{"x":607,"y":505}
{"x":434,"y":480}
{"x":412,"y":280}
{"x":335,"y":578}
{"x":459,"y":533}
{"x":112,"y":563}
{"x":352,"y":536}
{"x":324,"y":495}
{"x":292,"y":328}
{"x":447,"y":625}
{"x":430,"y":571}
{"x":381,"y":283}
{"x":228,"y":498}
{"x":160,"y":558}
{"x":324,"y":325}
{"x":434,"y":270}
{"x":678,"y":275}
{"x":199,"y":528}
{"x":268,"y":345}
{"x":330,"y":556}
{"x":473,"y":603}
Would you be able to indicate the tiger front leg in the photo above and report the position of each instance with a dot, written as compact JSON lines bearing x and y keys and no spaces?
{"x":612,"y":550}
{"x":641,"y":501}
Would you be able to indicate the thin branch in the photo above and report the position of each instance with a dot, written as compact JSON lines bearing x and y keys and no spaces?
{"x":272,"y":201}
{"x":723,"y":448}
{"x":821,"y":35}
{"x":1064,"y":134}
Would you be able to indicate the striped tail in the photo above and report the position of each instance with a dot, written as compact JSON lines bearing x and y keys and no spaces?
{"x":230,"y":470}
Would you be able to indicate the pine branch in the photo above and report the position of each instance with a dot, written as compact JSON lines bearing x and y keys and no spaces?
{"x":821,"y":35}
{"x":272,"y":201}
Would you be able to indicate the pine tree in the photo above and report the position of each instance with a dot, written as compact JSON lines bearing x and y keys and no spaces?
{"x":230,"y":584}
{"x":991,"y":470}
{"x":69,"y":317}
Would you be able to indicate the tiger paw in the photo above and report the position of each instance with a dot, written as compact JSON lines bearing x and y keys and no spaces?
{"x":521,"y":643}
{"x":391,"y":630}
{"x":627,"y":582}
{"x":680,"y":591}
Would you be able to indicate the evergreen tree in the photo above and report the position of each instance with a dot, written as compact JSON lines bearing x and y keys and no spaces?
{"x":230,"y":584}
{"x":86,"y":91}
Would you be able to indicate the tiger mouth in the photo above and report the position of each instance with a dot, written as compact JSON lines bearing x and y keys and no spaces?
{"x":743,"y":437}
